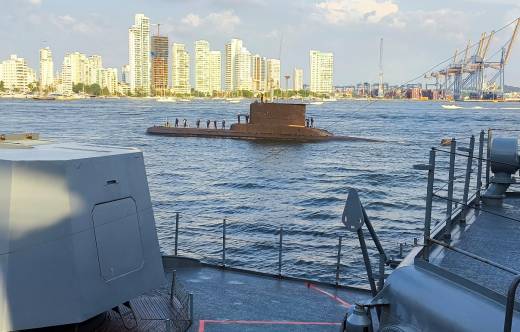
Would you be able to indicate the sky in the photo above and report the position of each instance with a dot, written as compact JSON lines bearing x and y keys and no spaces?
{"x":417,"y":34}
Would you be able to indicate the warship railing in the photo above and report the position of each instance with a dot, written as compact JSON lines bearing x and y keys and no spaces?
{"x":440,"y":234}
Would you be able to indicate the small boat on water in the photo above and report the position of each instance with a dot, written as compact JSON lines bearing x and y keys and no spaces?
{"x":44,"y":98}
{"x":451,"y":107}
{"x":167,"y":100}
{"x":316,"y":103}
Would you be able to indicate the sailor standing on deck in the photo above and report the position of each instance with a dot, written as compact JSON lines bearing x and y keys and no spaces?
{"x":312,"y":122}
{"x":207,"y":124}
{"x":176,"y":122}
{"x":215,"y":124}
{"x":198,"y":123}
{"x":223,"y":124}
{"x":184,"y":122}
{"x":307,"y":123}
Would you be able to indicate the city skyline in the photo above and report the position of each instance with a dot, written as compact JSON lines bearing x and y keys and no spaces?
{"x":410,"y":46}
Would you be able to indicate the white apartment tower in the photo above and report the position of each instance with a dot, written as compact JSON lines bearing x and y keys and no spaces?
{"x":298,"y":79}
{"x":95,"y":66}
{"x":322,"y":66}
{"x":208,"y":68}
{"x":139,"y":55}
{"x":273,"y":74}
{"x":215,"y":71}
{"x":259,"y":73}
{"x":46,"y":68}
{"x":15,"y":74}
{"x":180,"y":69}
{"x":238,"y":67}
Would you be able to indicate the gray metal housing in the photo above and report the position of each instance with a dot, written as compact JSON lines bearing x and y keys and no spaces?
{"x":77,"y":233}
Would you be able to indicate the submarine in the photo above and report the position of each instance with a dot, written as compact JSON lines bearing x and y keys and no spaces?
{"x":265,"y":121}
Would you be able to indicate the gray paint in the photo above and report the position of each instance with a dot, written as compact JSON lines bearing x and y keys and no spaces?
{"x":64,"y":256}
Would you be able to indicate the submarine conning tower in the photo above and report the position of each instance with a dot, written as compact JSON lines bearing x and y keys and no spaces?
{"x":280,"y":119}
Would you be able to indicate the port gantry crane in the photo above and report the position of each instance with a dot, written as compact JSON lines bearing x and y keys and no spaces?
{"x":464,"y":77}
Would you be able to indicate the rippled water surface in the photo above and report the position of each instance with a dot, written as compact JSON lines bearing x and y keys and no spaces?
{"x":262,"y":186}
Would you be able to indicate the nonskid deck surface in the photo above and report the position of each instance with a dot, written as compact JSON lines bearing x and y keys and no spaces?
{"x":227,"y":300}
{"x":489,"y":236}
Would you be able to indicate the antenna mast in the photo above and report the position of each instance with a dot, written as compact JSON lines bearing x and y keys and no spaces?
{"x":380,"y":92}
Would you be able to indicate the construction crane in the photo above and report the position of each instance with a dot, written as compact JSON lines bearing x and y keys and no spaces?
{"x":464,"y":76}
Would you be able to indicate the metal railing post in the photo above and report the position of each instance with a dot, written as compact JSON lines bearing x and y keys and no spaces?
{"x":280,"y":241}
{"x":172,"y":287}
{"x":451,"y":180}
{"x":224,"y":243}
{"x":488,"y":151}
{"x":190,"y":297}
{"x":176,"y":232}
{"x":382,"y":260}
{"x":429,"y":203}
{"x":479,"y":167}
{"x":510,"y":304}
{"x":338,"y":261}
{"x":468,"y":175}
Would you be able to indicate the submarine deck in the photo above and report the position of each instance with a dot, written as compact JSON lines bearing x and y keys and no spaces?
{"x":227,"y":133}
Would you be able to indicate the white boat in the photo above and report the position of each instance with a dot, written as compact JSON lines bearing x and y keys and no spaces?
{"x":316,"y":103}
{"x":166,"y":100}
{"x":451,"y":107}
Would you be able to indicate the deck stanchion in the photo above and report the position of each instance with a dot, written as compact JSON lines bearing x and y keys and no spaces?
{"x":382,"y":260}
{"x":338,"y":261}
{"x":176,"y":232}
{"x":468,"y":176}
{"x":479,"y":168}
{"x":429,"y":202}
{"x":488,"y":151}
{"x":172,"y":287}
{"x":451,"y":180}
{"x":190,"y":299}
{"x":224,"y":243}
{"x":280,"y":241}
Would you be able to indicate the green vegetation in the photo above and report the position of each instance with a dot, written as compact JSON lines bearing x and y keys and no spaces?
{"x":93,"y":89}
{"x":2,"y":87}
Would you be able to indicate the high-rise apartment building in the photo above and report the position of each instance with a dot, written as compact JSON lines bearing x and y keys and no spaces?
{"x":238,"y":67}
{"x":273,"y":74}
{"x":259,"y":73}
{"x":159,"y":64}
{"x":46,"y":68}
{"x":207,"y":68}
{"x":322,"y":66}
{"x":94,"y":67}
{"x":215,"y":71}
{"x":139,"y":55}
{"x":75,"y":70}
{"x":298,"y":79}
{"x":180,"y":69}
{"x":202,"y":66}
{"x":109,"y":79}
{"x":125,"y":74}
{"x":15,"y":74}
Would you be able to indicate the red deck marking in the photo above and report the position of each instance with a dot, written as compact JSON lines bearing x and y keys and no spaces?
{"x":202,"y":323}
{"x":332,"y":296}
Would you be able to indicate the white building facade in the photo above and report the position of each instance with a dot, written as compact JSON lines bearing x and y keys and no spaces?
{"x":139,"y":55}
{"x":298,"y":79}
{"x":16,"y":75}
{"x":322,"y":71}
{"x":238,"y":67}
{"x":46,"y":69}
{"x":273,"y":74}
{"x":180,"y":69}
